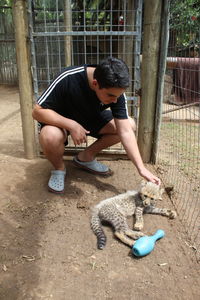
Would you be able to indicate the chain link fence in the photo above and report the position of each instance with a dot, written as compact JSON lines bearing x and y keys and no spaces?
{"x":179,"y":150}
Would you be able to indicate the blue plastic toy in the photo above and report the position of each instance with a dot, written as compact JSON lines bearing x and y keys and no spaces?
{"x":145,"y":244}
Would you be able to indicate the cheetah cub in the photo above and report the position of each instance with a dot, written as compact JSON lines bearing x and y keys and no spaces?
{"x":115,"y":210}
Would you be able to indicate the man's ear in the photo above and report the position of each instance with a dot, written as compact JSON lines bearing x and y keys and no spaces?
{"x":95,"y":83}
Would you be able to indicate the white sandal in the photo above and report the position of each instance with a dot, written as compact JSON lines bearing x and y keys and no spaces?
{"x":56,"y":182}
{"x":93,"y":166}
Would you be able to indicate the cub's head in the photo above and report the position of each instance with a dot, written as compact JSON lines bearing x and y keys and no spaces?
{"x":150,"y":192}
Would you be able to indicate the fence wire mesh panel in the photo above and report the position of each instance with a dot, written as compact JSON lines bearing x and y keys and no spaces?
{"x":179,"y":149}
{"x":75,"y":32}
{"x":8,"y":66}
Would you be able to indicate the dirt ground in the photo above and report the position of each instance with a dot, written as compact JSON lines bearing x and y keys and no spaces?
{"x":47,"y":249}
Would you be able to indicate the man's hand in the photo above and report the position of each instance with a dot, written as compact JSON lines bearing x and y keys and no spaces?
{"x":78,"y":134}
{"x":149,"y":176}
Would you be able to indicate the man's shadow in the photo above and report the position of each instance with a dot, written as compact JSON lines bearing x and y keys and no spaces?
{"x":24,"y":221}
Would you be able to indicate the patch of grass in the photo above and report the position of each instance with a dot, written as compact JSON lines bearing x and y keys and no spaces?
{"x":181,"y":141}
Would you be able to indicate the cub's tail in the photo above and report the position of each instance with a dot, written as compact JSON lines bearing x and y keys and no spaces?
{"x":98,"y":230}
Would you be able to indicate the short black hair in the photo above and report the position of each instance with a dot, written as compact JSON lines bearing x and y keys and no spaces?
{"x":112,"y":72}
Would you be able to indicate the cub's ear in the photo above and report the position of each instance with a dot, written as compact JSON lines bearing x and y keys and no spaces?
{"x":160,"y":194}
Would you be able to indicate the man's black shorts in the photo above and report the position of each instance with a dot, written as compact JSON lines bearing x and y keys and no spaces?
{"x":94,"y":127}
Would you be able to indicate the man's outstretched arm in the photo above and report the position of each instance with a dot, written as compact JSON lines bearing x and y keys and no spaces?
{"x":128,"y":140}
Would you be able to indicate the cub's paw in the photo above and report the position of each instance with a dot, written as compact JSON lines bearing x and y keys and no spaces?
{"x":172,"y":214}
{"x":138,"y":226}
{"x":137,"y":235}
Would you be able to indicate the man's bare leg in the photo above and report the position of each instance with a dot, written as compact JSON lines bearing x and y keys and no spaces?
{"x":52,"y":142}
{"x":109,"y":138}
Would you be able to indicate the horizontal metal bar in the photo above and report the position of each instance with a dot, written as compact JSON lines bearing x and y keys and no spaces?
{"x":5,"y":6}
{"x":131,"y":98}
{"x":86,"y":33}
{"x":7,"y":41}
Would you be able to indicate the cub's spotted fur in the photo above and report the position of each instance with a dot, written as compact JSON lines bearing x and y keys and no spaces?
{"x":115,"y":210}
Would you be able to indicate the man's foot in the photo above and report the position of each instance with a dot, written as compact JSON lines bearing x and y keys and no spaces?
{"x":56,"y":182}
{"x":92,"y":166}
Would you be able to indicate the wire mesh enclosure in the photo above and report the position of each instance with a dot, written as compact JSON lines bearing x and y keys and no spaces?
{"x":179,"y":150}
{"x":8,"y":66}
{"x":72,"y":32}
{"x":75,"y":32}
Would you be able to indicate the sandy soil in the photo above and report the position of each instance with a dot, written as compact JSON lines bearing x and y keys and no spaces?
{"x":47,"y":249}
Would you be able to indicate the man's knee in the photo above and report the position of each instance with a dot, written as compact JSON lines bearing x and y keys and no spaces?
{"x":51,"y":135}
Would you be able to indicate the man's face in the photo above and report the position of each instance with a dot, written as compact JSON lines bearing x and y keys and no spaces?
{"x":108,"y":95}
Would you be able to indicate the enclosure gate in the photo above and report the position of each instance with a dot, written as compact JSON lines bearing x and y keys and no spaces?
{"x":64,"y":33}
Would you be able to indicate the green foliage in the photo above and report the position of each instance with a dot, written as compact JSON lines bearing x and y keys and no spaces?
{"x":6,"y":2}
{"x":92,"y":11}
{"x":185,"y":21}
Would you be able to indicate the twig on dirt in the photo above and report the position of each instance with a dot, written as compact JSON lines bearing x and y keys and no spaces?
{"x":191,"y":246}
{"x":163,"y":264}
{"x":28,"y":257}
{"x":93,"y":265}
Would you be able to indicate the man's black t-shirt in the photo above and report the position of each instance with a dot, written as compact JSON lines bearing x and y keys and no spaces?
{"x":71,"y":96}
